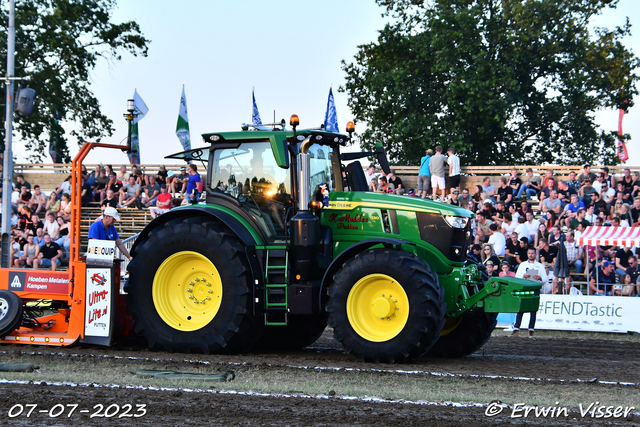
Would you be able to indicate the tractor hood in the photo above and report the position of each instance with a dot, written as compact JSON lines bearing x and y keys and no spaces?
{"x":352,"y":200}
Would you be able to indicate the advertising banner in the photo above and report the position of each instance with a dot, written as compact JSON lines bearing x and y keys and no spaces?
{"x":97,"y":320}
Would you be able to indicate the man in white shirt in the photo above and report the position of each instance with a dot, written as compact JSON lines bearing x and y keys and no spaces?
{"x":532,"y":226}
{"x":370,"y":173}
{"x":454,"y":169}
{"x":498,"y":240}
{"x":531,"y":270}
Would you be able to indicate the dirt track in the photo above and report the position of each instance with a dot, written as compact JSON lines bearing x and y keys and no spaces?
{"x":546,"y":358}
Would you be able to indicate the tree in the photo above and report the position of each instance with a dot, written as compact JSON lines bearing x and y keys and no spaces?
{"x":502,"y":81}
{"x":58,"y":43}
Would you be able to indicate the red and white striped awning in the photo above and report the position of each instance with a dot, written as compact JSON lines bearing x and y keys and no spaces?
{"x":610,"y":236}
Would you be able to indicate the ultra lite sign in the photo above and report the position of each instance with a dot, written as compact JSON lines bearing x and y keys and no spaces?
{"x":101,"y":251}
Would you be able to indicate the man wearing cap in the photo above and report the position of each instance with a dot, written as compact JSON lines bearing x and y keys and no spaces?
{"x":104,"y":229}
{"x":602,"y":279}
{"x":492,"y":269}
{"x":531,"y":270}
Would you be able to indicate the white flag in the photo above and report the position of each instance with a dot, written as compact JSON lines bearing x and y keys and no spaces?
{"x":140,"y":110}
{"x":182,"y":127}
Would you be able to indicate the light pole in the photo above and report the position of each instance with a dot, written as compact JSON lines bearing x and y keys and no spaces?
{"x":129,"y":116}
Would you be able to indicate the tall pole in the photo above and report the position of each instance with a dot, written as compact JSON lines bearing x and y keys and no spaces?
{"x":7,"y":166}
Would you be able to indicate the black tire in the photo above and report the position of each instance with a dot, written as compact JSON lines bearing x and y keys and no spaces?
{"x":469,"y":335}
{"x":424,"y":297}
{"x":301,"y":332}
{"x":11,"y":310}
{"x":232,"y":329}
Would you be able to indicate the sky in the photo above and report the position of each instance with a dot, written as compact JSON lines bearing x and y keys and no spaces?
{"x":289,"y":51}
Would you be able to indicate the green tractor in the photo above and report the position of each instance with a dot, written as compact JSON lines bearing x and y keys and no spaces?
{"x":289,"y":240}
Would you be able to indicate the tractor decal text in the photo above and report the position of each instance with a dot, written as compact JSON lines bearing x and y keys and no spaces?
{"x":347,"y":220}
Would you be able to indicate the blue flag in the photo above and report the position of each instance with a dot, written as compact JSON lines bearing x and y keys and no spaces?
{"x":331,"y":117}
{"x":255,"y":116}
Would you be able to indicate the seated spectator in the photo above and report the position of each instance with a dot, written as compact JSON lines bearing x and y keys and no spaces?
{"x":131,"y":193}
{"x":38,"y":239}
{"x":482,"y":228}
{"x":38,"y":200}
{"x":505,"y":270}
{"x":497,"y":241}
{"x":163,"y":203}
{"x":573,"y":183}
{"x":161,"y":176}
{"x":508,"y":224}
{"x":489,"y":254}
{"x":16,"y":251}
{"x":552,"y":284}
{"x":634,"y":269}
{"x":123,"y":176}
{"x":454,"y":198}
{"x":504,"y":193}
{"x":547,"y":253}
{"x":627,"y":287}
{"x":542,"y":233}
{"x":65,"y":207}
{"x":475,"y":253}
{"x":546,"y":190}
{"x":571,"y":209}
{"x":556,"y":237}
{"x":24,"y":197}
{"x":511,"y":248}
{"x":29,"y":254}
{"x":622,"y":260}
{"x":114,"y":185}
{"x":398,"y":188}
{"x":109,"y":201}
{"x":607,"y":194}
{"x":574,"y":252}
{"x":488,"y":190}
{"x":20,"y":181}
{"x":102,"y":181}
{"x":373,"y":185}
{"x":65,"y":188}
{"x":532,"y":186}
{"x":514,"y":182}
{"x":65,"y":234}
{"x":635,"y":211}
{"x":53,"y":204}
{"x":51,"y":227}
{"x":623,"y":193}
{"x":34,"y":223}
{"x":50,"y":254}
{"x":602,"y":279}
{"x":151,"y":191}
{"x":586,"y":192}
{"x":586,"y":174}
{"x":492,"y":269}
{"x":564,"y":193}
{"x":24,"y":216}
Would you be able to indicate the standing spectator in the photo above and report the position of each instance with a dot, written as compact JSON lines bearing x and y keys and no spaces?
{"x":152,"y":190}
{"x":454,"y":169}
{"x":437,"y":169}
{"x":586,"y":173}
{"x":602,"y":280}
{"x":163,"y":203}
{"x":395,"y":181}
{"x":505,"y":193}
{"x":51,"y":253}
{"x":424,"y":175}
{"x":130,"y":194}
{"x":574,"y":252}
{"x":38,"y":200}
{"x":497,"y":240}
{"x":194,"y":184}
{"x":532,"y":270}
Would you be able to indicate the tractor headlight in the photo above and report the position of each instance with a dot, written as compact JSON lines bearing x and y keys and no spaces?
{"x":456,"y":221}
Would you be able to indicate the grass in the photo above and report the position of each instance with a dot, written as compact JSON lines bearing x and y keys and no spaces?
{"x":394,"y":386}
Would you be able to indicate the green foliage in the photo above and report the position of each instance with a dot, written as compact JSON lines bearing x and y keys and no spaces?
{"x":58,"y":43}
{"x":502,"y":81}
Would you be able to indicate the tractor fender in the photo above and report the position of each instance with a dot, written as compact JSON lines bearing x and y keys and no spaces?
{"x":348,"y":253}
{"x":228,"y":220}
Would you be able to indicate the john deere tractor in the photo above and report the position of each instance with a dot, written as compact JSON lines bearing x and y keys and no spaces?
{"x":288,"y":239}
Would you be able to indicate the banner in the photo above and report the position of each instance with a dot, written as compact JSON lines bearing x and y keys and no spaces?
{"x":331,"y":116}
{"x":182,"y":127}
{"x":141,"y":109}
{"x":621,"y":147}
{"x":584,"y":313}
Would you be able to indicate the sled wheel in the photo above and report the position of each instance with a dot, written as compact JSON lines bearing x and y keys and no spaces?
{"x":386,"y":306}
{"x":11,"y":310}
{"x":190,"y":289}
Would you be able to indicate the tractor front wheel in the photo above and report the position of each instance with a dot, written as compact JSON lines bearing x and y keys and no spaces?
{"x":464,"y":335}
{"x":386,"y":306}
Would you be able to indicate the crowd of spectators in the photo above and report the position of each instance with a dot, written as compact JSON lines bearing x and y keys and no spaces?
{"x":507,"y":227}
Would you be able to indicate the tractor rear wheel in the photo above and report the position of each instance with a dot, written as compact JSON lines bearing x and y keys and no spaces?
{"x":386,"y":306}
{"x":190,"y":289}
{"x":464,"y":335}
{"x":11,"y":310}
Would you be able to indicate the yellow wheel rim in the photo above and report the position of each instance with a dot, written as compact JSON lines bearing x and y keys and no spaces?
{"x":187,"y":291}
{"x":377,"y":307}
{"x":450,"y":324}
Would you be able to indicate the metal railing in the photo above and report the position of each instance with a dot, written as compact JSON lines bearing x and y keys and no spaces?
{"x":124,"y":262}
